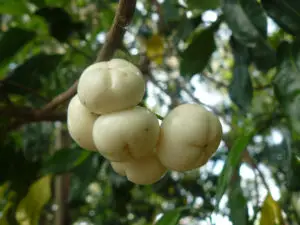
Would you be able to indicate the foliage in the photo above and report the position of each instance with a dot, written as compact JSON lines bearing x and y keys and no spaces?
{"x":45,"y":45}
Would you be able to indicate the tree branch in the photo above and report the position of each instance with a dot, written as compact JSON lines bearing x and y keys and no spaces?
{"x":114,"y":38}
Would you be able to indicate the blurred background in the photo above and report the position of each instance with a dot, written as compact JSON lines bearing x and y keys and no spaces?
{"x":238,"y":58}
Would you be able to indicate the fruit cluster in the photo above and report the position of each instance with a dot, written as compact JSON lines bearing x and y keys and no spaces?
{"x":104,"y":116}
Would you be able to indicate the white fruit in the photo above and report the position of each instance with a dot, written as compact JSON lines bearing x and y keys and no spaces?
{"x":189,"y":136}
{"x":146,"y":170}
{"x":80,"y":124}
{"x":111,"y":86}
{"x":131,"y":133}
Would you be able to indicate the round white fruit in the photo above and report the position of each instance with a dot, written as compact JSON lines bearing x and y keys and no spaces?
{"x":189,"y":136}
{"x":80,"y":124}
{"x":131,"y":133}
{"x":146,"y":170}
{"x":111,"y":86}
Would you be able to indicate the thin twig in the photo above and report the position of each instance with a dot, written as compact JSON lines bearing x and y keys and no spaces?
{"x":114,"y":38}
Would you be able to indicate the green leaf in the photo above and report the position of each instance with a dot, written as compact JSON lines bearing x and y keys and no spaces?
{"x":232,"y":163}
{"x":65,"y":160}
{"x":203,"y":4}
{"x":5,"y":212}
{"x":31,"y":72}
{"x":286,"y":13}
{"x":13,"y":7}
{"x":170,"y":218}
{"x":238,"y":205}
{"x":198,"y":53}
{"x":30,"y":207}
{"x":240,"y":88}
{"x":83,"y":175}
{"x":170,"y":11}
{"x":248,"y":22}
{"x":287,"y":81}
{"x":12,"y":41}
{"x":271,"y":212}
{"x":246,"y":19}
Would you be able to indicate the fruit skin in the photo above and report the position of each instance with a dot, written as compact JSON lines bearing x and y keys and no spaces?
{"x":144,"y":171}
{"x":80,"y":124}
{"x":111,"y":86}
{"x":189,"y":137}
{"x":131,"y":133}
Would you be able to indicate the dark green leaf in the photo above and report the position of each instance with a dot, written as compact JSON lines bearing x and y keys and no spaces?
{"x":246,"y":19}
{"x":13,"y":7}
{"x":170,"y":218}
{"x":170,"y":11}
{"x":31,"y":72}
{"x":287,"y":81}
{"x":198,"y":53}
{"x":65,"y":160}
{"x":60,"y":23}
{"x":286,"y":13}
{"x":232,"y":163}
{"x":238,"y":205}
{"x":83,"y":175}
{"x":240,"y":88}
{"x":12,"y":41}
{"x":204,"y":4}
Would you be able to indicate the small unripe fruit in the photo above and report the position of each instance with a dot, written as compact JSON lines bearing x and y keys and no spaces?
{"x":146,"y":170}
{"x":80,"y":124}
{"x":189,"y":136}
{"x":111,"y":86}
{"x":131,"y":133}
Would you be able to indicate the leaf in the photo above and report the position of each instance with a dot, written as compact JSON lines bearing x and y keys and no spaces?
{"x":12,"y":41}
{"x":5,"y":212}
{"x":197,"y":55}
{"x":155,"y":48}
{"x":240,"y":88}
{"x":286,"y":13}
{"x":31,"y":72}
{"x":13,"y":7}
{"x":270,"y":212}
{"x":170,"y":218}
{"x":30,"y":207}
{"x":232,"y":162}
{"x":287,"y":81}
{"x":83,"y":175}
{"x":248,"y":22}
{"x":170,"y":11}
{"x":64,"y":160}
{"x":203,"y":4}
{"x":246,"y":19}
{"x":238,"y":205}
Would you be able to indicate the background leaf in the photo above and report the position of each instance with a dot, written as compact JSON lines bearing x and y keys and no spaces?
{"x":196,"y":56}
{"x":12,"y":41}
{"x":246,"y":19}
{"x":29,"y":209}
{"x":203,"y":5}
{"x":286,"y":13}
{"x":287,"y":81}
{"x":171,"y":217}
{"x":237,"y":204}
{"x":240,"y":88}
{"x":14,"y":7}
{"x":31,"y":72}
{"x":65,"y":160}
{"x":231,"y":163}
{"x":270,"y":212}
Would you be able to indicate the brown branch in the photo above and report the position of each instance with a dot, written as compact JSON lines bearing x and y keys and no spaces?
{"x":114,"y":38}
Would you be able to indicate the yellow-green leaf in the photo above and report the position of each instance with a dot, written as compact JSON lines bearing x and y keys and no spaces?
{"x":155,"y":48}
{"x":270,"y":212}
{"x":29,"y":210}
{"x":3,"y":219}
